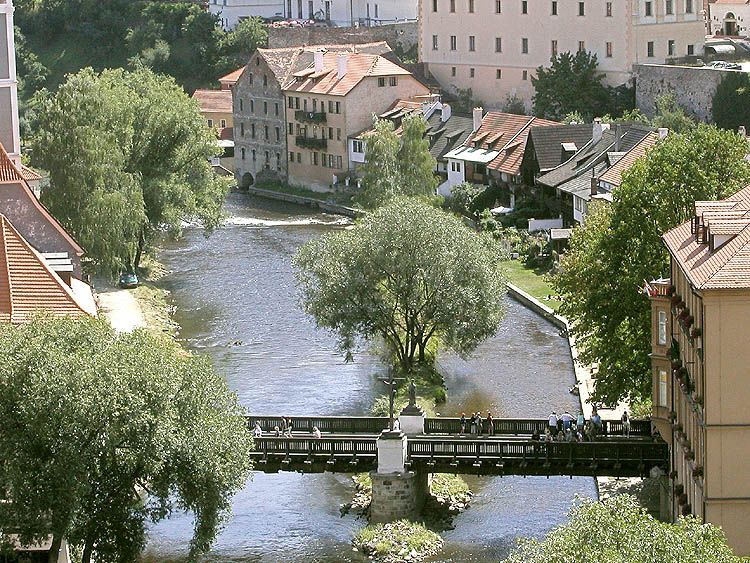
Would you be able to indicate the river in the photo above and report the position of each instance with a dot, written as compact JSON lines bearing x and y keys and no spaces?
{"x":236,"y":301}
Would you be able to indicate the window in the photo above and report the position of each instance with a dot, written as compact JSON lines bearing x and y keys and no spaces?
{"x":453,"y":71}
{"x":554,"y":48}
{"x":691,"y":50}
{"x":471,"y":72}
{"x":669,"y":7}
{"x":291,"y":128}
{"x":498,"y":74}
{"x":265,"y":108}
{"x":210,"y":122}
{"x":252,"y":106}
{"x":608,"y":11}
{"x":663,"y":388}
{"x":314,"y":157}
{"x":670,"y":48}
{"x":649,"y":9}
{"x":455,"y":166}
{"x":554,"y":7}
{"x":581,"y":46}
{"x":381,"y":82}
{"x":472,"y":43}
{"x":241,"y":105}
{"x":609,"y":50}
{"x":291,"y":102}
{"x":252,"y":130}
{"x":434,"y":42}
{"x":498,"y":7}
{"x":330,"y":106}
{"x":662,"y":329}
{"x":265,"y":132}
{"x":581,"y":8}
{"x":242,"y":129}
{"x":276,"y":109}
{"x":471,"y":6}
{"x":253,"y":152}
{"x":453,"y":43}
{"x":330,"y":134}
{"x":296,"y":103}
{"x":278,"y":160}
{"x":393,"y":81}
{"x":338,"y":107}
{"x":251,"y":74}
{"x":268,"y":156}
{"x":498,"y":44}
{"x":278,"y":134}
{"x":524,"y":7}
{"x":324,"y":160}
{"x":525,"y":75}
{"x":453,"y":6}
{"x":338,"y":133}
{"x":242,"y":152}
{"x":339,"y":162}
{"x":358,"y":146}
{"x":688,"y":6}
{"x":434,"y":5}
{"x":299,"y":158}
{"x":265,"y":80}
{"x":525,"y":46}
{"x":291,"y":156}
{"x":650,"y":49}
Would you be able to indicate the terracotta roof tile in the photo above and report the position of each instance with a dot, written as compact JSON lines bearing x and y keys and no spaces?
{"x":29,"y":174}
{"x":232,"y":78}
{"x":8,"y":170}
{"x":214,"y":101}
{"x":27,"y":283}
{"x":613,"y":175}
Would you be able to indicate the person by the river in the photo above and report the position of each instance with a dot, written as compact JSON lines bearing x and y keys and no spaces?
{"x":490,"y":424}
{"x":567,"y":420}
{"x":257,"y":430}
{"x":316,"y":433}
{"x":463,"y":423}
{"x":625,"y":424}
{"x":553,"y":422}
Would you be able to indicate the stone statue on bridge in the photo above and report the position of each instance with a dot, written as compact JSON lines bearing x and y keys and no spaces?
{"x":412,"y":394}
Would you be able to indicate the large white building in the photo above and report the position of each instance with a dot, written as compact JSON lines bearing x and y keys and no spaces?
{"x":494,"y":46}
{"x":340,"y":13}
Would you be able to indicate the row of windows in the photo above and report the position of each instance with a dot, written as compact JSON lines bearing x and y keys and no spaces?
{"x":392,"y":81}
{"x":276,"y":111}
{"x":222,"y":123}
{"x":251,"y":77}
{"x":266,"y":136}
{"x":326,"y":133}
{"x":294,"y":103}
{"x":253,"y":155}
{"x":319,"y":159}
{"x":669,"y":7}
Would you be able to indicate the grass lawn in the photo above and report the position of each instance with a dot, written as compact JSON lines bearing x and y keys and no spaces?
{"x":531,"y":281}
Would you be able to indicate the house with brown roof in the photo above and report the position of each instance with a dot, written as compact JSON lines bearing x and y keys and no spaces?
{"x":700,"y":357}
{"x":260,"y":113}
{"x":494,"y":151}
{"x":333,"y":98}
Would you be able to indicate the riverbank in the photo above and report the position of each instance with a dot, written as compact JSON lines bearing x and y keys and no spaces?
{"x":306,"y":198}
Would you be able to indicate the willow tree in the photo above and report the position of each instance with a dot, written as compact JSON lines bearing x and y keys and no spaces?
{"x":407,"y":273}
{"x":104,"y":433}
{"x":128,"y":156}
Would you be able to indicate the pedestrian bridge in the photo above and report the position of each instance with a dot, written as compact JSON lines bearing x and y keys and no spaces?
{"x":352,"y":444}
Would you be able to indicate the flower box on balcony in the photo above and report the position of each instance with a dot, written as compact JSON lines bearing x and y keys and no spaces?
{"x":310,"y":116}
{"x":311,"y":143}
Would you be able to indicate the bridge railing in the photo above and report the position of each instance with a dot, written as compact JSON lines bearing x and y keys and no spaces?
{"x":529,"y":426}
{"x":326,"y":424}
{"x":329,"y":447}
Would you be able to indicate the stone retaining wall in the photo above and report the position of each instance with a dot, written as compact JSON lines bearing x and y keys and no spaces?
{"x":397,"y":495}
{"x":403,"y":35}
{"x":325,"y":206}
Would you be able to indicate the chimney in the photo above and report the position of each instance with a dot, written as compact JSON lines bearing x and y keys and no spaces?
{"x":742,"y":131}
{"x":445,"y":113}
{"x":594,"y":184}
{"x":318,"y":55}
{"x":663,"y":132}
{"x":477,"y":114}
{"x":341,"y":60}
{"x":598,"y":130}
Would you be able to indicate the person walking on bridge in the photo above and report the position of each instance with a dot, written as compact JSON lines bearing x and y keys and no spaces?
{"x":257,"y":430}
{"x":553,"y":423}
{"x":567,"y":420}
{"x":479,"y":423}
{"x":625,"y":424}
{"x":463,"y":423}
{"x":474,"y":423}
{"x":490,"y":424}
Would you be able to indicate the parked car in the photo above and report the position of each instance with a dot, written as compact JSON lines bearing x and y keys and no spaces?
{"x":724,"y":65}
{"x":128,"y":280}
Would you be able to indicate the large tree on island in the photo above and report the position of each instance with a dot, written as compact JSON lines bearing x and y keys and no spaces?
{"x":103,"y":433}
{"x":407,"y":273}
{"x":397,"y":165}
{"x":620,"y":246}
{"x":619,"y":529}
{"x":128,"y":156}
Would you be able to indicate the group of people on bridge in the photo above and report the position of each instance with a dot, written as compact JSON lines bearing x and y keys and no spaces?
{"x":567,"y":428}
{"x":477,"y":425}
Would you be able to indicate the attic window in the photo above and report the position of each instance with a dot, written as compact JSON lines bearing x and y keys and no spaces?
{"x":569,"y":147}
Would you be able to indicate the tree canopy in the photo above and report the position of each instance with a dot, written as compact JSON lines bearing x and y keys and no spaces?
{"x":731,"y":102}
{"x":407,"y":273}
{"x":619,"y":530}
{"x":104,"y":432}
{"x":397,"y":164}
{"x":620,"y":246}
{"x":128,"y":155}
{"x":573,"y":85}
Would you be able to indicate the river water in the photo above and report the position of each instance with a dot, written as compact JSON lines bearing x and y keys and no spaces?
{"x":236,"y":301}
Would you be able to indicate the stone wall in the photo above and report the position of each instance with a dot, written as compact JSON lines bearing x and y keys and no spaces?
{"x":403,"y":35}
{"x":693,"y":87}
{"x":397,"y":495}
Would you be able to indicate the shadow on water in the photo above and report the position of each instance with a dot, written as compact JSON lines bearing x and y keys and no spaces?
{"x":236,"y":301}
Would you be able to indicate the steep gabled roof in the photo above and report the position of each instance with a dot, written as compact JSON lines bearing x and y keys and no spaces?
{"x":613,"y":175}
{"x":548,"y":141}
{"x":446,"y":136}
{"x":28,"y":284}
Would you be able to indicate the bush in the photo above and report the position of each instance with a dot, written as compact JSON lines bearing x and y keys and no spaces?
{"x":395,"y":541}
{"x":731,"y":102}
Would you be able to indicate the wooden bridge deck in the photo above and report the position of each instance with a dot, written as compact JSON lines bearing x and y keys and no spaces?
{"x":617,"y":457}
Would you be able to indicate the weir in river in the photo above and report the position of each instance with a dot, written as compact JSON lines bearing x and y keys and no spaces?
{"x":236,"y":301}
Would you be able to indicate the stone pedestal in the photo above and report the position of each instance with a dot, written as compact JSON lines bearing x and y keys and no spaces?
{"x":411,"y":420}
{"x":391,"y":452}
{"x":397,"y":495}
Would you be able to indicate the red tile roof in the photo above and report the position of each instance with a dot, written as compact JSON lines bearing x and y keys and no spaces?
{"x":232,"y":78}
{"x":27,"y":283}
{"x":29,"y":174}
{"x":613,"y":175}
{"x":358,"y":67}
{"x":214,"y":101}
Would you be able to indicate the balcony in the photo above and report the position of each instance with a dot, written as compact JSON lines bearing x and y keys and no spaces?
{"x":311,"y":143}
{"x":310,"y":116}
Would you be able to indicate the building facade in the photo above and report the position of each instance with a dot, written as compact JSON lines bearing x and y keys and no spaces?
{"x":338,"y":13}
{"x":493,"y":47}
{"x":332,"y":99}
{"x":701,"y":365}
{"x":729,"y":17}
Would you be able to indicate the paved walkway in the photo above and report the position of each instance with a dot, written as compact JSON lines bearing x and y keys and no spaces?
{"x":121,"y":309}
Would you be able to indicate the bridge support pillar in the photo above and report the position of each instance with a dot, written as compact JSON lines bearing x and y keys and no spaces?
{"x":397,"y":495}
{"x":412,"y":420}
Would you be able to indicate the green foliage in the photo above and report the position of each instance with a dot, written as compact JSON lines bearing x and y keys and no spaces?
{"x":104,"y":433}
{"x":407,"y":273}
{"x":514,"y":104}
{"x":620,"y":246}
{"x":31,"y":74}
{"x":465,"y":101}
{"x":731,"y":102}
{"x":670,"y":115}
{"x":397,"y":166}
{"x":620,"y":530}
{"x":572,"y":83}
{"x":465,"y":198}
{"x":128,"y":155}
{"x":391,"y":542}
